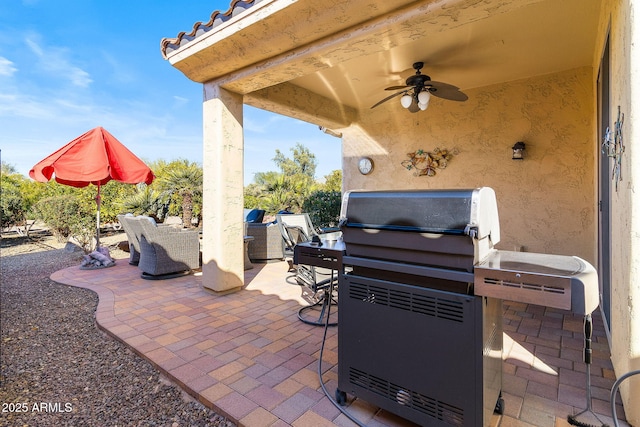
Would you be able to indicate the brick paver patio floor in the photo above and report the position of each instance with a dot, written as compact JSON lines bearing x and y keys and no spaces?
{"x":246,"y":355}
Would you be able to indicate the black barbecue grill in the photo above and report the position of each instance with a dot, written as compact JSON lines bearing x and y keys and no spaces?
{"x":415,"y":336}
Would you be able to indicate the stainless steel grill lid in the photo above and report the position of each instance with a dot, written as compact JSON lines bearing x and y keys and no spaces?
{"x":427,"y":211}
{"x":447,"y":228}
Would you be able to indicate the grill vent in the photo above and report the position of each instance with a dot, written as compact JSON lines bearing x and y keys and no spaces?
{"x":524,"y":285}
{"x":429,"y":306}
{"x":429,"y":406}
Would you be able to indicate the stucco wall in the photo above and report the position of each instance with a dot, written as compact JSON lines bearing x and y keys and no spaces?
{"x":617,"y":20}
{"x":546,"y":202}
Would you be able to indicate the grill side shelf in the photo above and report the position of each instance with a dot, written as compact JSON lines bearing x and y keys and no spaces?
{"x":539,"y":289}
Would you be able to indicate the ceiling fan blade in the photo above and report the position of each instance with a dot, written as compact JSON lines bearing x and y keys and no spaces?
{"x":397,"y":87}
{"x":446,"y":91}
{"x":389,"y":97}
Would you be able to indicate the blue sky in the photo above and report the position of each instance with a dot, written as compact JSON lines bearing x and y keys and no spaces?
{"x":67,"y":66}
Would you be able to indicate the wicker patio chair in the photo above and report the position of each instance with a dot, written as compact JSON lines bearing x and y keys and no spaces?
{"x":165,"y":252}
{"x":134,"y":243}
{"x":267,"y":244}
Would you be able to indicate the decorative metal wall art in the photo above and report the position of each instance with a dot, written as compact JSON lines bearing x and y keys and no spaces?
{"x":615,"y":148}
{"x":425,"y":163}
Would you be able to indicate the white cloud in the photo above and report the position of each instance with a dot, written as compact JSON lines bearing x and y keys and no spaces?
{"x":80,"y":77}
{"x":54,"y":61}
{"x":35,"y":48}
{"x":7,"y":68}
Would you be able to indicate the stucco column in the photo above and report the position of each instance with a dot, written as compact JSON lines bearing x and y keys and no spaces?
{"x":631,"y":174}
{"x":223,"y":159}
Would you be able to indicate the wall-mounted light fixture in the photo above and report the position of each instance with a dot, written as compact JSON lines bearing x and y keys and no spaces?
{"x":518,"y":151}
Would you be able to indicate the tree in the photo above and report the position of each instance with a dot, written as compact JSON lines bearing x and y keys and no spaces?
{"x":146,"y":201}
{"x":7,"y":169}
{"x":182,"y":179}
{"x":278,"y":190}
{"x":303,"y":162}
{"x":294,"y":185}
{"x":333,"y":181}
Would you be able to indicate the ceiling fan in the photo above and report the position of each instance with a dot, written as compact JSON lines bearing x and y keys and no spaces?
{"x":418,"y":90}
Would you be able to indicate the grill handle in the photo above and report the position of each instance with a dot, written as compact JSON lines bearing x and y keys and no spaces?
{"x":588,"y":331}
{"x":471,"y":230}
{"x":344,"y":222}
{"x":418,"y":270}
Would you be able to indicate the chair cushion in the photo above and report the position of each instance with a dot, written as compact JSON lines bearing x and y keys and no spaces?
{"x":255,"y":216}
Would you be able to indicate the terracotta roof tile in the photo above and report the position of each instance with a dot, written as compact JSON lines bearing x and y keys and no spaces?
{"x":168,"y":45}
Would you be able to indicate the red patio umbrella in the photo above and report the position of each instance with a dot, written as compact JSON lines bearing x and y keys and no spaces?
{"x":96,"y":158}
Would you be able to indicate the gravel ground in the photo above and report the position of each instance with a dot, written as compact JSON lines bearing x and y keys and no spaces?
{"x":57,"y":368}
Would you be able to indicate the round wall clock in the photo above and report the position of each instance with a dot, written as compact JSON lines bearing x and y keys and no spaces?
{"x":365,"y":165}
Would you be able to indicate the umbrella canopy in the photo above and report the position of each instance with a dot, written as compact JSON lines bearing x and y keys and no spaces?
{"x":96,"y":157}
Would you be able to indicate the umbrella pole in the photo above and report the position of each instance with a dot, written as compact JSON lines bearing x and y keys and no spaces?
{"x":98,"y":218}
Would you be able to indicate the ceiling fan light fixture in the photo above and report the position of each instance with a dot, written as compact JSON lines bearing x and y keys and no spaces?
{"x":424,"y":97}
{"x":406,"y":100}
{"x":418,"y":89}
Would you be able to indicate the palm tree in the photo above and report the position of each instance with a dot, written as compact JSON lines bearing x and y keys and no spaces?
{"x":146,"y":201}
{"x":278,"y":190}
{"x":183,"y":179}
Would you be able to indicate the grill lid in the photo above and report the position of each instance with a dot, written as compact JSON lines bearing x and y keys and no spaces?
{"x":471,"y":212}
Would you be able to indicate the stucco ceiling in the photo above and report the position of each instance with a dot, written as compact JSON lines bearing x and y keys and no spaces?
{"x":539,"y":39}
{"x":350,"y":51}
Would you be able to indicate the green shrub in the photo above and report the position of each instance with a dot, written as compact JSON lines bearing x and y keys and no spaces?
{"x":11,"y":212}
{"x":66,"y":216}
{"x":11,"y":201}
{"x":323,"y":208}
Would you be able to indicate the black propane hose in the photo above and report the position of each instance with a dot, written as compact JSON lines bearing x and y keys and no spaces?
{"x":324,"y":387}
{"x":614,"y":390}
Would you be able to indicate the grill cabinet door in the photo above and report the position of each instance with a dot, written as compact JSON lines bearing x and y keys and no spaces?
{"x":414,"y":351}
